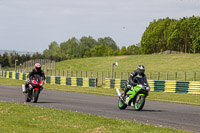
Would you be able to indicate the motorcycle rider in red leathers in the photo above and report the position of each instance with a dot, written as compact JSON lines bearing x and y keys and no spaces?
{"x":36,"y":71}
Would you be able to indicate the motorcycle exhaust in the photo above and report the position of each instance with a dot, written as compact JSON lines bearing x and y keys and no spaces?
{"x":23,"y":88}
{"x":118,"y":92}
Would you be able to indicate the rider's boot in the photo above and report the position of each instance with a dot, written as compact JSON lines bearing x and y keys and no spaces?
{"x":26,"y":88}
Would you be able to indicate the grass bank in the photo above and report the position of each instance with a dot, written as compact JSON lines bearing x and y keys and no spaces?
{"x":23,"y":118}
{"x":158,"y":96}
{"x":153,"y":63}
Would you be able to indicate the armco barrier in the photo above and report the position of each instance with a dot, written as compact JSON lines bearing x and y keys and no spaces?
{"x":73,"y":81}
{"x":191,"y":87}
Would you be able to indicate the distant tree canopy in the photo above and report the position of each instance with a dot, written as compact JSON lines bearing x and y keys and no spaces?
{"x":87,"y":47}
{"x":8,"y":60}
{"x":170,"y":34}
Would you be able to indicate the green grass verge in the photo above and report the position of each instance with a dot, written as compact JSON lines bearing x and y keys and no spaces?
{"x":24,"y":118}
{"x":158,"y":96}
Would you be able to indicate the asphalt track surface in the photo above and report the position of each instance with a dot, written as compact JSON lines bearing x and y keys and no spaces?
{"x":178,"y":116}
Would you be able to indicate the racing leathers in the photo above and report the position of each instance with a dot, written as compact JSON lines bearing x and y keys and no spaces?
{"x":132,"y":82}
{"x":33,"y":73}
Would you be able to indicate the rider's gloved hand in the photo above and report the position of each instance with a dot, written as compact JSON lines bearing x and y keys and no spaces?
{"x":128,"y":86}
{"x":134,"y":84}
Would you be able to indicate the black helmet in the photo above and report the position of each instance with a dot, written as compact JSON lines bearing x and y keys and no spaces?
{"x":37,"y":67}
{"x":141,"y":69}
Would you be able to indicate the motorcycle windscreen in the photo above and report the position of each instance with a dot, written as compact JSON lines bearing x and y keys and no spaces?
{"x":37,"y":78}
{"x":141,"y":80}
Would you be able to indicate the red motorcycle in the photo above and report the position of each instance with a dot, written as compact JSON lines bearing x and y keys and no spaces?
{"x":33,"y":91}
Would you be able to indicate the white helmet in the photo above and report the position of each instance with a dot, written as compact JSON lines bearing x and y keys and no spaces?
{"x":141,"y":69}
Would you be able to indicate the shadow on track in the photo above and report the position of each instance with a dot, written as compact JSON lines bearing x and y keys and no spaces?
{"x":47,"y":102}
{"x":145,"y":110}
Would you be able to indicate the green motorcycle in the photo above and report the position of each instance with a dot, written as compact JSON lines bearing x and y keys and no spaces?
{"x":135,"y":97}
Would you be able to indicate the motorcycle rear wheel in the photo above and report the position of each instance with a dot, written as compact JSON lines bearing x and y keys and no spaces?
{"x":121,"y":104}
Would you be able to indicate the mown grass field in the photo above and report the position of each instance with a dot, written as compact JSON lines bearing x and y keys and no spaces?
{"x":158,"y":96}
{"x":24,"y":118}
{"x":153,"y":63}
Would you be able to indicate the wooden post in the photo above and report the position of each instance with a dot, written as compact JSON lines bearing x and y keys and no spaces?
{"x":67,"y":73}
{"x":185,"y":76}
{"x":96,"y":82}
{"x":55,"y":72}
{"x":158,"y":75}
{"x":128,"y":74}
{"x":115,"y":75}
{"x":76,"y":74}
{"x":81,"y":74}
{"x":58,"y":72}
{"x":166,"y":75}
{"x":71,"y":73}
{"x":194,"y":76}
{"x":175,"y":75}
{"x":102,"y":78}
{"x":86,"y":74}
{"x":121,"y":75}
{"x":91,"y":74}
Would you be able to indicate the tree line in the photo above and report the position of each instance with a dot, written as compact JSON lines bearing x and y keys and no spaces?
{"x":72,"y":48}
{"x":87,"y":47}
{"x":170,"y":34}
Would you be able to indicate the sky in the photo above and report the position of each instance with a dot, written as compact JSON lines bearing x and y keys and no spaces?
{"x":31,"y":25}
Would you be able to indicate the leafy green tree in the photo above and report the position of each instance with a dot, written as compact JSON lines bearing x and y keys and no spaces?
{"x":170,"y":34}
{"x":1,"y":59}
{"x":55,"y":51}
{"x":37,"y":55}
{"x":123,"y":51}
{"x":47,"y":54}
{"x":5,"y":60}
{"x":107,"y":41}
{"x":86,"y":43}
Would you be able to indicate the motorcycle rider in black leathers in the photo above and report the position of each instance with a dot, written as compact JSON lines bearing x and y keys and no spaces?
{"x":131,"y":81}
{"x":34,"y":72}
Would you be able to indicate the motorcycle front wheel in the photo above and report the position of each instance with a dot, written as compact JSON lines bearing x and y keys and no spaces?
{"x":139,"y":102}
{"x":36,"y":95}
